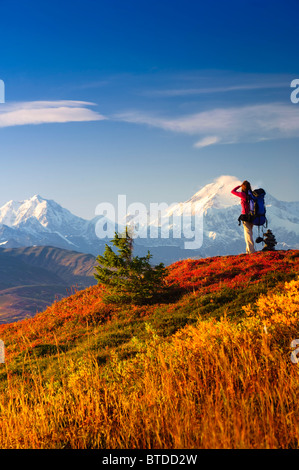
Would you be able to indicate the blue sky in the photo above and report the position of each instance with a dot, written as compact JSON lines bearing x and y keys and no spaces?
{"x":151,"y":99}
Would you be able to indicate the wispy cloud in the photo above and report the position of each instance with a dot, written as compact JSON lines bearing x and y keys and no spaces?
{"x":41,"y":112}
{"x":210,"y":90}
{"x":206,"y":141}
{"x":207,"y":82}
{"x":89,"y":85}
{"x":228,"y":125}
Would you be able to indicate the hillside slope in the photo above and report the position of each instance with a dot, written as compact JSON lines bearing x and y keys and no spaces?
{"x":31,"y":278}
{"x":68,"y":265}
{"x":208,"y":368}
{"x":204,"y":288}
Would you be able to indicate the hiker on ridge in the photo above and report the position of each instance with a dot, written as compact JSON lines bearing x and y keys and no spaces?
{"x":248,"y":226}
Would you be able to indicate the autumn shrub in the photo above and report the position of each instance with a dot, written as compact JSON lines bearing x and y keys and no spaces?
{"x":277,"y":313}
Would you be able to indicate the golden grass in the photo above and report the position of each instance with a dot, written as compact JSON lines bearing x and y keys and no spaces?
{"x":217,"y":384}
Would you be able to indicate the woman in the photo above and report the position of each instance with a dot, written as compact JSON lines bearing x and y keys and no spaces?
{"x":248,"y":226}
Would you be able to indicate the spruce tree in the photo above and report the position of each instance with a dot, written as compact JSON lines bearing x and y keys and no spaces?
{"x":128,"y":279}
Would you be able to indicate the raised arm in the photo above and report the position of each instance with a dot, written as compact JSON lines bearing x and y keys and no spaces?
{"x":240,"y":194}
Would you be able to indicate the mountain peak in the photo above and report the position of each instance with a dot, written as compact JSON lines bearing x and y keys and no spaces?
{"x":227,"y":180}
{"x":217,"y":194}
{"x":37,"y":197}
{"x":36,"y":208}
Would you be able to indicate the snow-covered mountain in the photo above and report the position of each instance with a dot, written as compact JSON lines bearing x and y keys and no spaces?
{"x":221,"y":232}
{"x":39,"y":221}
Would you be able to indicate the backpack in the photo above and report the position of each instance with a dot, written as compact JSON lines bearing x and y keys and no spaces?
{"x":257,"y":207}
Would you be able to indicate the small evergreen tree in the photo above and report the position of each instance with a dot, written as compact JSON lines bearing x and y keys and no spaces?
{"x":128,"y":279}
